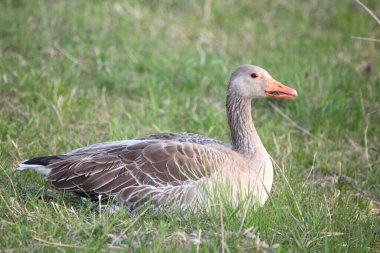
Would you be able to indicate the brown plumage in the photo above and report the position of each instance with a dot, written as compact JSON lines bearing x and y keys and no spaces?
{"x":176,"y":168}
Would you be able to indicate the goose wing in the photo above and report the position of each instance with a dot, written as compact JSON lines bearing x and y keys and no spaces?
{"x":152,"y":163}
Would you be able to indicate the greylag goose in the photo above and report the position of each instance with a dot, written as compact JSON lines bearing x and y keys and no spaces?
{"x":177,"y":169}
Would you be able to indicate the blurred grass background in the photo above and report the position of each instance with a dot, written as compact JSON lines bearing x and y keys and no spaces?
{"x":74,"y":73}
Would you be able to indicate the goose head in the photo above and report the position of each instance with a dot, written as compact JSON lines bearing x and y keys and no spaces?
{"x":249,"y":82}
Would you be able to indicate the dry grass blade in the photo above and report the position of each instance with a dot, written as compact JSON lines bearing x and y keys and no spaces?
{"x":365,"y":38}
{"x":295,"y":124}
{"x":70,"y":57}
{"x":199,"y":239}
{"x":56,"y":244}
{"x":369,"y":12}
{"x":247,"y":205}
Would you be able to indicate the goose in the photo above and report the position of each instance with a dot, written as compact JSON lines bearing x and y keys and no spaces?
{"x":177,"y":169}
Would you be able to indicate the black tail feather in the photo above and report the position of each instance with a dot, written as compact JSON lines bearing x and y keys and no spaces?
{"x":43,"y":160}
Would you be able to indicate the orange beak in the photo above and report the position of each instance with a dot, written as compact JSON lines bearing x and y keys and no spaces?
{"x":278,"y":90}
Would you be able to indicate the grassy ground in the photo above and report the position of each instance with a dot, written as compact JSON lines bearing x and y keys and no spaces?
{"x":74,"y":73}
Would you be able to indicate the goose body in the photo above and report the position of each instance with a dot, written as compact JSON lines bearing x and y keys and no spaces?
{"x":177,"y":169}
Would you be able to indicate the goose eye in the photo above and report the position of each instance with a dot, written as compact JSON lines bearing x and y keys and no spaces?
{"x":254,"y":75}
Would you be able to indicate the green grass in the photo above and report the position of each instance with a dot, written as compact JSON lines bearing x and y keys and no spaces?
{"x":74,"y":73}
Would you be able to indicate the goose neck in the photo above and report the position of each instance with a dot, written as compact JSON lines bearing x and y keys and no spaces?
{"x":245,"y":139}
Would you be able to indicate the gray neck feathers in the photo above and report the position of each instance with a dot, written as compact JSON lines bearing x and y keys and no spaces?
{"x":244,"y":137}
